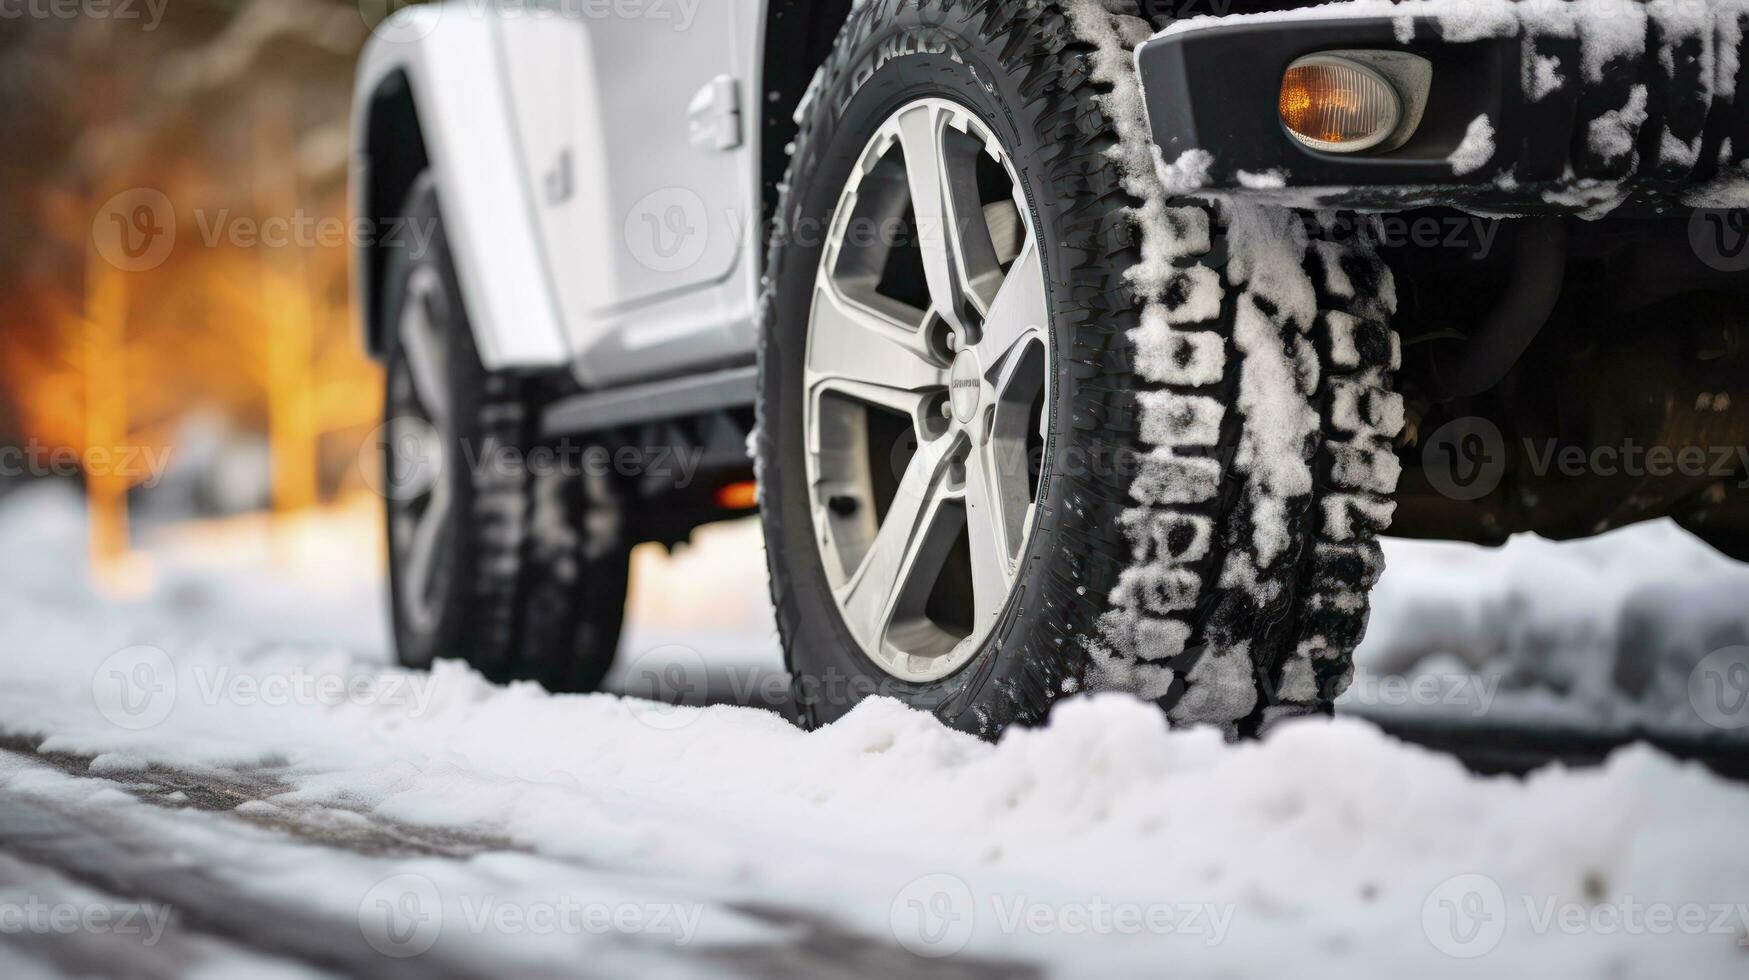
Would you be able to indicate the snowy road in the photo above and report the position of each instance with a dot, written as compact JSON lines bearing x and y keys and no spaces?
{"x":222,"y":776}
{"x":164,"y":861}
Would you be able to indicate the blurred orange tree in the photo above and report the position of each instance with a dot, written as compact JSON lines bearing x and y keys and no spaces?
{"x":234,"y":117}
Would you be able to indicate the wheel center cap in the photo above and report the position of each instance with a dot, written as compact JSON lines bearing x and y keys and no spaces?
{"x":964,"y":386}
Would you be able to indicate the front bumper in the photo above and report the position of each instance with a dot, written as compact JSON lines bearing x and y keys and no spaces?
{"x":1582,"y":121}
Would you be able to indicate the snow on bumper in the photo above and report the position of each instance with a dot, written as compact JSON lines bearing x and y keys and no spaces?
{"x":1535,"y":105}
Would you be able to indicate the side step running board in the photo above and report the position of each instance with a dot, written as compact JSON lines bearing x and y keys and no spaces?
{"x":652,"y":402}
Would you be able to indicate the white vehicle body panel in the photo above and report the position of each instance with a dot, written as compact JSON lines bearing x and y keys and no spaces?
{"x":450,"y":61}
{"x":588,"y":226}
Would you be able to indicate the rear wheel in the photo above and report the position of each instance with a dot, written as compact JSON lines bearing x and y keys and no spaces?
{"x":491,"y":560}
{"x":1028,"y":427}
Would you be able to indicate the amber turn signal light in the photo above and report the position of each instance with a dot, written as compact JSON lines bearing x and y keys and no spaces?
{"x":1338,"y":105}
{"x":742,"y":495}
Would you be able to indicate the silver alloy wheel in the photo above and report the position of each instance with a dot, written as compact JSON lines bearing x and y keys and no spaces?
{"x":420,"y":495}
{"x":924,"y":407}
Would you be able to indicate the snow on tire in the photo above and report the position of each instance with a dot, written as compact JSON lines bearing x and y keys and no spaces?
{"x":1265,"y":357}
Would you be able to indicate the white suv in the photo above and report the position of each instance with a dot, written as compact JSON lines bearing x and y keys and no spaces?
{"x":1053,"y":341}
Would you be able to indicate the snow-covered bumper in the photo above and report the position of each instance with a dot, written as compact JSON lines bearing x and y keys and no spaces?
{"x":1531,"y":107}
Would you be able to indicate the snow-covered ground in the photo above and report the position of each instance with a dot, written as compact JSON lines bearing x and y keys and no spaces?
{"x":1613,"y":632}
{"x":230,"y":753}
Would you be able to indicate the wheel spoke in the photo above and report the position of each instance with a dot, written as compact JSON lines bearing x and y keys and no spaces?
{"x":426,"y":358}
{"x":867,"y":354}
{"x":901,"y":547}
{"x":989,"y":529}
{"x":1017,"y":315}
{"x":421,"y":559}
{"x":959,"y":259}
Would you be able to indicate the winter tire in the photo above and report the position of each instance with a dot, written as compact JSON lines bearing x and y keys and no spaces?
{"x":508,"y":567}
{"x":1029,"y":425}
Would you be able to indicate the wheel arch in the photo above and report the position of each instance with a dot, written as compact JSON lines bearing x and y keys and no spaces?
{"x":799,"y":35}
{"x":431,"y":95}
{"x":389,"y":159}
